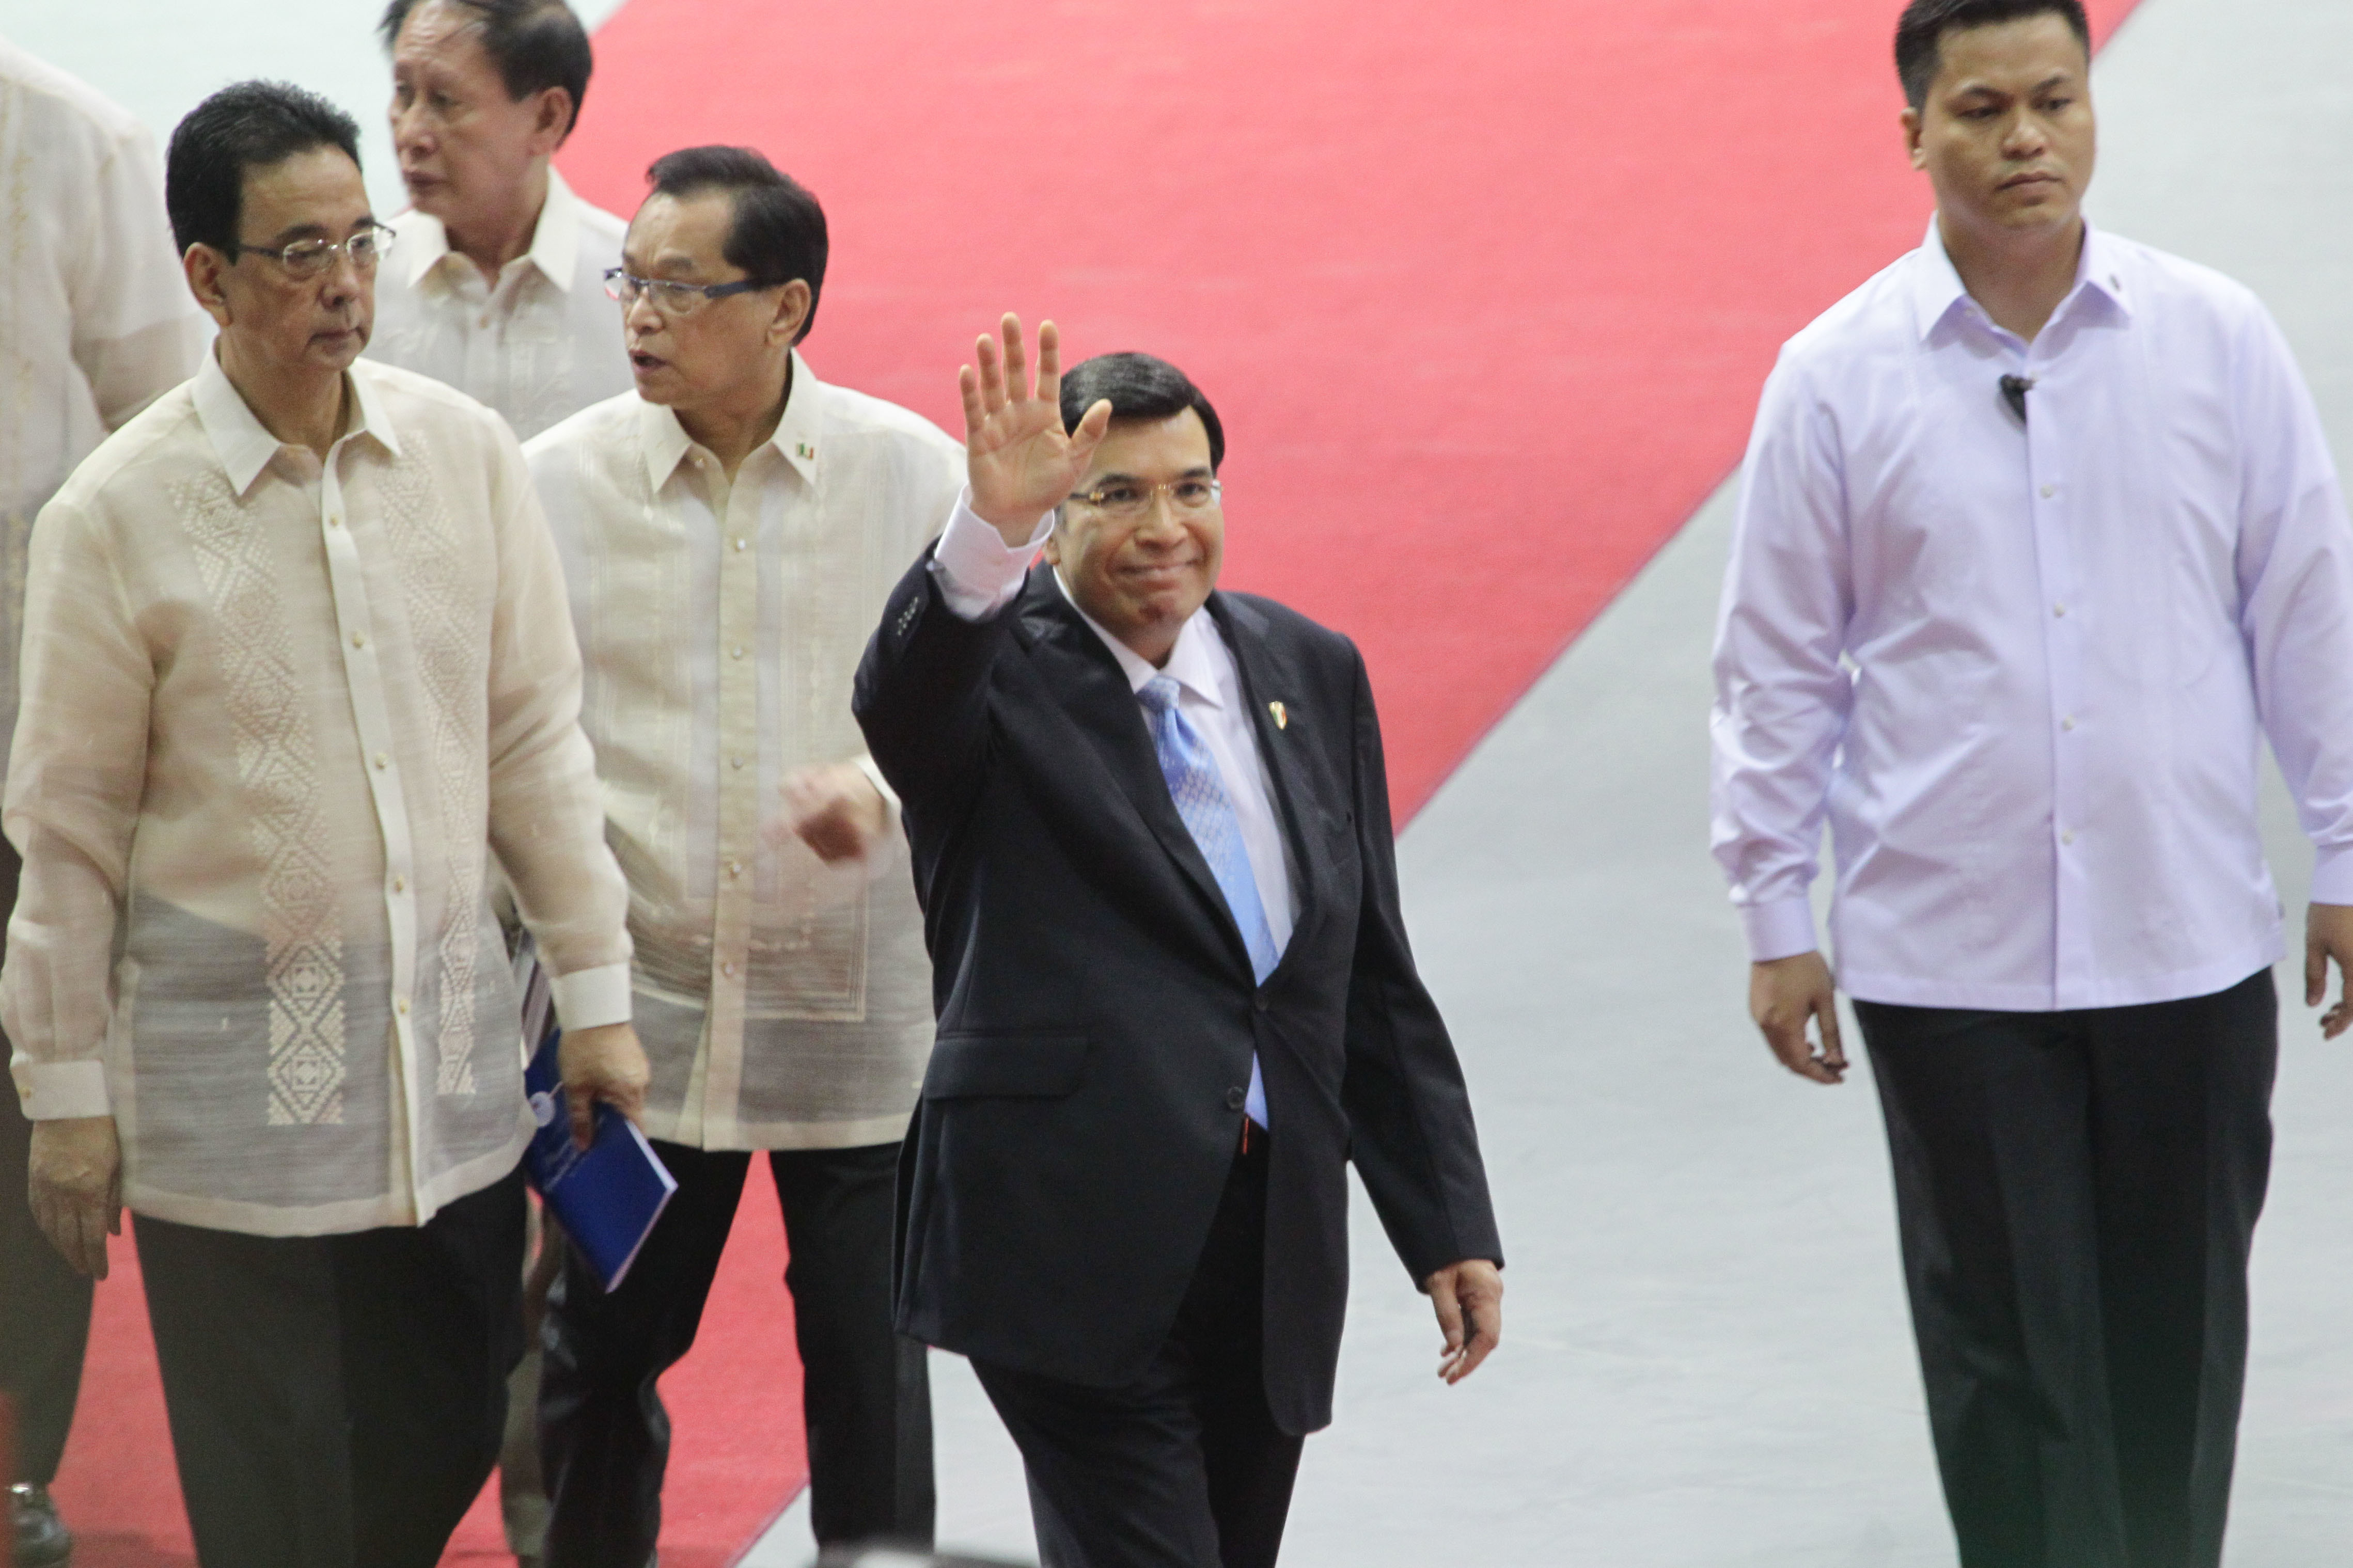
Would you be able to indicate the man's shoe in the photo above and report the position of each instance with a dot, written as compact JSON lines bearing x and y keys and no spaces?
{"x":42,"y":1539}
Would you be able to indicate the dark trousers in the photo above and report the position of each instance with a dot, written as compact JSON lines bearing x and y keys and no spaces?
{"x":2077,"y":1193}
{"x":865,"y":1392}
{"x":1186,"y":1468}
{"x":43,"y":1305}
{"x":336,"y":1401}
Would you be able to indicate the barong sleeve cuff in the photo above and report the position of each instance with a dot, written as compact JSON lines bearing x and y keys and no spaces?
{"x":54,"y":1091}
{"x":592,"y":998}
{"x":1783,"y":928}
{"x":2332,"y":876}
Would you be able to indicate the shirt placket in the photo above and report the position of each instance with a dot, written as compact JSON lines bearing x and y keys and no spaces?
{"x":355,"y":634}
{"x":2064,"y":622}
{"x":739,"y":805}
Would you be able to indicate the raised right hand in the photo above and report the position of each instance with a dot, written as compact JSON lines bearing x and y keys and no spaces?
{"x":1021,"y":462}
{"x":1782,"y":995}
{"x":74,"y":1183}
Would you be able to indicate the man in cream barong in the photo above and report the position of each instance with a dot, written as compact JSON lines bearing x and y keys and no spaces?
{"x":730,"y":531}
{"x":296,"y":663}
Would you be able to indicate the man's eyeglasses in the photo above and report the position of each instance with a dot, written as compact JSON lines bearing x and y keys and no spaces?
{"x":672,"y":298}
{"x":1126,"y":498}
{"x":313,"y":258}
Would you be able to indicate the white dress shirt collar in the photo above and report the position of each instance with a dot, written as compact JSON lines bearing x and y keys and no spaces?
{"x":245,"y":446}
{"x":554,"y":239}
{"x":1189,"y":662}
{"x":667,"y":444}
{"x":1938,"y":295}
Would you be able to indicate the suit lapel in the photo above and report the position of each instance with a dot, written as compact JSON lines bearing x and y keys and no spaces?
{"x":1094,"y":695}
{"x":1264,"y":670}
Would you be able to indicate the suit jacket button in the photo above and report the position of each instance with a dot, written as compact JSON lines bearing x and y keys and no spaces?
{"x":1236,"y":1098}
{"x":1258,"y":1001}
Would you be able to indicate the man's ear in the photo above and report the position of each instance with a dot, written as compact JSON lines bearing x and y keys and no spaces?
{"x":203,"y":267}
{"x":1054,"y":552}
{"x":550,"y":120}
{"x":792,"y":311}
{"x":1912,"y":126}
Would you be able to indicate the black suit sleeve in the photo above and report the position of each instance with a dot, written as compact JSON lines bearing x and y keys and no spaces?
{"x":921,"y":693}
{"x":1409,"y":1114}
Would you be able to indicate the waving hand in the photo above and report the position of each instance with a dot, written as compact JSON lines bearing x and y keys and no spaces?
{"x":1021,"y":462}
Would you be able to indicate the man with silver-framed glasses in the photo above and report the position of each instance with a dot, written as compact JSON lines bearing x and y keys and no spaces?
{"x":295,"y":664}
{"x":1151,"y":822}
{"x":729,"y":531}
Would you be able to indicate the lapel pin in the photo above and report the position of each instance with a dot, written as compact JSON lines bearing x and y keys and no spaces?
{"x":804,"y":450}
{"x":1282,"y":716}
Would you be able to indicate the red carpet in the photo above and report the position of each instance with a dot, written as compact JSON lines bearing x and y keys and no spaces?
{"x":1484,"y":294}
{"x":736,"y":1458}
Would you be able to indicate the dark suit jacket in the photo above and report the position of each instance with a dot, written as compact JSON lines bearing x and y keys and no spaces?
{"x":1097,"y":1011}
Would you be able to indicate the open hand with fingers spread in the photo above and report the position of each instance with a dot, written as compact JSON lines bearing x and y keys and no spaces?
{"x":1021,"y":462}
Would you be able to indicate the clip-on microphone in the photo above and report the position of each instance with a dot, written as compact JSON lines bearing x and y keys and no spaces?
{"x":2015,"y":389}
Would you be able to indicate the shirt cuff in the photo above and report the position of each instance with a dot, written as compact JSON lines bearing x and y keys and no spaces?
{"x":53,"y":1091}
{"x":2332,"y":876}
{"x":978,"y":573}
{"x":880,"y":855}
{"x":591,"y":998}
{"x":1783,"y":928}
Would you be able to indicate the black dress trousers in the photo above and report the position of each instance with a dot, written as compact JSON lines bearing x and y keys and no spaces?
{"x":2077,"y":1193}
{"x":337,"y":1400}
{"x":44,"y":1304}
{"x":865,"y":1392}
{"x":1186,"y":1468}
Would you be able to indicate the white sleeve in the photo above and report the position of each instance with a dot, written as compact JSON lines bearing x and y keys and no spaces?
{"x":1781,"y":696}
{"x":2295,"y":590}
{"x":978,"y":573}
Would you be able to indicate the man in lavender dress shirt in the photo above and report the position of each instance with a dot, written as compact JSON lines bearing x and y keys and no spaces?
{"x":2038,"y":538}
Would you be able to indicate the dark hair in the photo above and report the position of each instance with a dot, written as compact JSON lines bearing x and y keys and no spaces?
{"x":1920,"y":35}
{"x":778,"y":234}
{"x":536,"y":43}
{"x":1139,"y":387}
{"x":250,"y":125}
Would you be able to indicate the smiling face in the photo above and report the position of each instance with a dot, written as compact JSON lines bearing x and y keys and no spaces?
{"x":468,"y":149}
{"x":1142,"y":578}
{"x":2006,"y":134}
{"x":273,"y":322}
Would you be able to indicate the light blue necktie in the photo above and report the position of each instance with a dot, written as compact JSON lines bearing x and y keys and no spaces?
{"x":1209,"y":813}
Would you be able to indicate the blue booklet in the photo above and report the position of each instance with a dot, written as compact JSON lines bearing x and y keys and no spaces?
{"x":607,"y":1196}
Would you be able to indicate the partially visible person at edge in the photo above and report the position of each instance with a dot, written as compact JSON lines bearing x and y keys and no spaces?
{"x":95,"y":323}
{"x":1150,"y":825}
{"x":2038,"y":538}
{"x":496,"y":287}
{"x":296,"y":663}
{"x":730,"y":531}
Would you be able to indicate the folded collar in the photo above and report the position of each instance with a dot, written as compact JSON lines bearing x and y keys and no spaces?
{"x":555,"y":238}
{"x":245,"y":446}
{"x":666,"y":442}
{"x":1938,"y":291}
{"x":1191,"y":664}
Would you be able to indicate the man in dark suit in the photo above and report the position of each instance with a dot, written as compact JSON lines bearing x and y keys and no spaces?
{"x":1151,"y":834}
